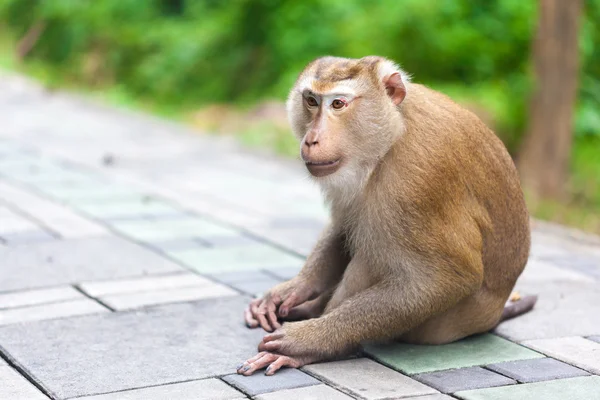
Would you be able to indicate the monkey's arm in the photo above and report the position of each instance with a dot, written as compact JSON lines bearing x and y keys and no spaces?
{"x":383,"y":311}
{"x":321,"y":272}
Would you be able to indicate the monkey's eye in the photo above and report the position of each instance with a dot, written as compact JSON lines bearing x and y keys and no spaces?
{"x":338,"y":104}
{"x":311,"y":101}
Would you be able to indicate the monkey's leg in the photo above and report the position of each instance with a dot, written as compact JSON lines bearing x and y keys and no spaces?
{"x":383,"y":311}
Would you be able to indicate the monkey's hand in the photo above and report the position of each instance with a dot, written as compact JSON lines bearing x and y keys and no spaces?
{"x":277,"y":303}
{"x":292,"y":345}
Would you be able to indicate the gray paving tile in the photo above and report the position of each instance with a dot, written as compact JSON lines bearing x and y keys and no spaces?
{"x":595,"y":338}
{"x":299,"y":223}
{"x":230,"y":241}
{"x":367,"y":379}
{"x":285,"y":273}
{"x":15,"y":386}
{"x":260,"y":383}
{"x":63,"y":309}
{"x":179,"y":244}
{"x":255,"y":287}
{"x":118,"y":210}
{"x":26,"y":237}
{"x":582,"y":263}
{"x":117,"y":351}
{"x":241,"y":276}
{"x":136,"y":300}
{"x":453,"y":380}
{"x":218,"y":260}
{"x":577,"y":351}
{"x":438,"y":396}
{"x":563,"y":309}
{"x":316,"y":392}
{"x":39,"y":296}
{"x":582,"y":388}
{"x":144,"y":284}
{"x":68,"y":261}
{"x":541,"y":369}
{"x":206,"y":389}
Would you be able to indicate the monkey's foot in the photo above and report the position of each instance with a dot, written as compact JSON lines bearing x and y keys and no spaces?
{"x":273,"y":361}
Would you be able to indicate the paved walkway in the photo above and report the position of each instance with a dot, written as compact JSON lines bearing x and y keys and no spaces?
{"x":130,"y":247}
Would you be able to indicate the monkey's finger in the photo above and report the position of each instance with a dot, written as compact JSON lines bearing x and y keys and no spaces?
{"x":251,"y":322}
{"x":274,"y":345}
{"x":288,"y":303}
{"x":261,"y":363}
{"x":249,"y":361}
{"x":271,"y":308}
{"x":282,"y":361}
{"x":273,"y":336}
{"x":262,"y":320}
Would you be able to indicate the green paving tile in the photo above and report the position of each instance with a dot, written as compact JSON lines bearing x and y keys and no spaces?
{"x":216,"y":260}
{"x":476,"y":350}
{"x":582,"y":388}
{"x":155,"y":231}
{"x":93,"y":193}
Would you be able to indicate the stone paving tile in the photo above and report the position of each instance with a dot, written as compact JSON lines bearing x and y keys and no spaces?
{"x":26,"y":237}
{"x":92,"y":194}
{"x":260,"y":383}
{"x":469,"y":352}
{"x":563,"y":309}
{"x":127,"y":209}
{"x":144,"y":284}
{"x":179,"y":244}
{"x":15,"y":386}
{"x":297,"y":223}
{"x":117,"y":351}
{"x":255,"y":288}
{"x":368,"y":379}
{"x":230,"y":241}
{"x":438,"y":396}
{"x":156,"y":231}
{"x":582,"y":388}
{"x":206,"y":389}
{"x":142,"y":299}
{"x":16,"y":224}
{"x":316,"y":392}
{"x":541,"y":369}
{"x":585,"y":264}
{"x":240,"y":276}
{"x":56,"y":217}
{"x":544,"y":271}
{"x":40,"y":296}
{"x":577,"y":351}
{"x":453,"y":380}
{"x":284,"y":273}
{"x":595,"y":338}
{"x":216,"y":260}
{"x":56,"y":263}
{"x":50,"y":311}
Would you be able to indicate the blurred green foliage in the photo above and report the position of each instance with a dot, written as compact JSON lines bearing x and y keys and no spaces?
{"x":191,"y":52}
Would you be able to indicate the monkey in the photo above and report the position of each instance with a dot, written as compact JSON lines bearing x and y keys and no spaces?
{"x":428,"y":228}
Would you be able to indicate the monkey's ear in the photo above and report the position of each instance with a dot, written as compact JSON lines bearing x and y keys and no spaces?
{"x":395,"y":87}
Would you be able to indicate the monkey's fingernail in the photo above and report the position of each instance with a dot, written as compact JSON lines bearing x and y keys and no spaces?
{"x":268,"y":370}
{"x":239,"y":366}
{"x":283,"y":312}
{"x":246,"y":368}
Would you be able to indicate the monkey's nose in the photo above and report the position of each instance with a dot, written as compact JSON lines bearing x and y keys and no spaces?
{"x":310,"y":142}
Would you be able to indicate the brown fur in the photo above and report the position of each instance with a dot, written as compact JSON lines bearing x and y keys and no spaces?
{"x":429,"y":226}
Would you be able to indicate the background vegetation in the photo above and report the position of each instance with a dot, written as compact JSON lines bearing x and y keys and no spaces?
{"x":178,"y":56}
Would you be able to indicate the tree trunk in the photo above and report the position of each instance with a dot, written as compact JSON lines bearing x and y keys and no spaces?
{"x":545,"y":156}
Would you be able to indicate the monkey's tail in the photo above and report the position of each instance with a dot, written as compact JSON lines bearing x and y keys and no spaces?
{"x":518,"y":307}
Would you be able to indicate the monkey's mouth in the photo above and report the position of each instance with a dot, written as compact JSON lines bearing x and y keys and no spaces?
{"x":322,"y":168}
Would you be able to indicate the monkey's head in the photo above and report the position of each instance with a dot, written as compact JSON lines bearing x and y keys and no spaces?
{"x":345,"y":113}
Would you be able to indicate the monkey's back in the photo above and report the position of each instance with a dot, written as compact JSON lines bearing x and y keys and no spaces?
{"x":460,"y":169}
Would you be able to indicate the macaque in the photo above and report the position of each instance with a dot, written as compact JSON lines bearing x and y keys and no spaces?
{"x":429,"y":230}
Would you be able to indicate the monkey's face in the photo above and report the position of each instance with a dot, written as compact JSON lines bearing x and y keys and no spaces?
{"x":344,"y":112}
